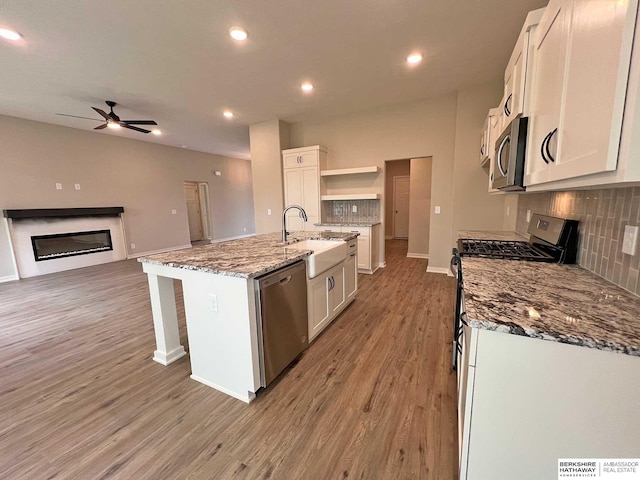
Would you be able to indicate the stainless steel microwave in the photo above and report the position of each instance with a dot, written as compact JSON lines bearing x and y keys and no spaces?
{"x":508,"y":160}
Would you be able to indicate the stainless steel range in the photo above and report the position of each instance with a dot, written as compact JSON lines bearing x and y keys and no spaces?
{"x":551,"y":239}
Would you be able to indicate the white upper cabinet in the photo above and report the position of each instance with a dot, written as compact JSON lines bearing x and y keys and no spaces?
{"x":517,"y":75}
{"x":301,"y":175}
{"x":583,"y":52}
{"x":550,"y":56}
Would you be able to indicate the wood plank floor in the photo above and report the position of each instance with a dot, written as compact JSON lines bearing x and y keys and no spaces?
{"x":80,"y":397}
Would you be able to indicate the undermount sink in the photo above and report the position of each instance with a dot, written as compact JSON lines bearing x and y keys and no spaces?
{"x":326,"y":254}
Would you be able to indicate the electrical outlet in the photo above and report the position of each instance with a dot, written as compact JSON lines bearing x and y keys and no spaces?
{"x":354,"y":209}
{"x":437,"y":210}
{"x":528,"y":215}
{"x":244,"y":229}
{"x":58,"y":186}
{"x":268,"y":211}
{"x":133,"y":246}
{"x":213,"y":302}
{"x":77,"y":186}
{"x":630,"y":240}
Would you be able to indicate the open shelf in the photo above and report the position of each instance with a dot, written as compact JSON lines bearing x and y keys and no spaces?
{"x":349,"y":171}
{"x":352,"y":196}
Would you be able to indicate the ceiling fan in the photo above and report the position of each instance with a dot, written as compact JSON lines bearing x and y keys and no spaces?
{"x":113,"y":121}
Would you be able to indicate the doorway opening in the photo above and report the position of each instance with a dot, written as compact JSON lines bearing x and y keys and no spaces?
{"x":198,"y":211}
{"x":407,"y":204}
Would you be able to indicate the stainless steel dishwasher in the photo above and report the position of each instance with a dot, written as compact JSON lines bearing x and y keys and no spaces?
{"x":281,"y":301}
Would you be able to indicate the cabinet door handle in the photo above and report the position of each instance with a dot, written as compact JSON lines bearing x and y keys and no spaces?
{"x":544,"y":157}
{"x":352,"y":245}
{"x":546,"y":147}
{"x":352,"y":254}
{"x":482,"y":150}
{"x":507,"y":110}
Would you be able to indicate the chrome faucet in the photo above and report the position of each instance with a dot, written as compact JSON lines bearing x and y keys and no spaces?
{"x":303,"y":215}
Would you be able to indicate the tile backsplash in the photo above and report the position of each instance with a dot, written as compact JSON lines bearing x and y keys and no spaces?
{"x":603,"y":215}
{"x":338,"y":211}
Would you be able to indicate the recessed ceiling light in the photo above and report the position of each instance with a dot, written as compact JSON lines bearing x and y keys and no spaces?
{"x":414,"y":58}
{"x":156,"y":131}
{"x":113,"y":126}
{"x":9,"y":34}
{"x":306,"y":86}
{"x":238,"y":33}
{"x":228,"y":114}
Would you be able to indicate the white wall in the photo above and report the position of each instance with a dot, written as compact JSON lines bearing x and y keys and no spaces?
{"x":422,"y":129}
{"x":147,"y":179}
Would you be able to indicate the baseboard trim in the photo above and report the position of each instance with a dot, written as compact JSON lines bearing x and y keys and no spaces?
{"x":382,"y":264}
{"x":245,"y":398}
{"x":162,"y":250}
{"x":9,"y":278}
{"x":418,"y":255}
{"x":165,"y":358}
{"x":443,"y":270}
{"x":237,"y":237}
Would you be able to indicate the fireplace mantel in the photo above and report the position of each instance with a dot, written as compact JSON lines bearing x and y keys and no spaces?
{"x":63,"y":212}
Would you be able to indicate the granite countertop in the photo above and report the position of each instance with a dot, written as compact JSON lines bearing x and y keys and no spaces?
{"x":346,"y":224}
{"x":246,"y":258}
{"x":492,"y":235}
{"x":562,"y":303}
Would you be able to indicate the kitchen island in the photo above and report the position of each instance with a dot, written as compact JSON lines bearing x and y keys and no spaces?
{"x":550,"y":367}
{"x":220,"y":307}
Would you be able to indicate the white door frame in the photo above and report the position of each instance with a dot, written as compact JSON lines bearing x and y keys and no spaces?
{"x":393,"y":228}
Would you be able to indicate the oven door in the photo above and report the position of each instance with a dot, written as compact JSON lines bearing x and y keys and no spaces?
{"x":458,"y":322}
{"x":510,"y":151}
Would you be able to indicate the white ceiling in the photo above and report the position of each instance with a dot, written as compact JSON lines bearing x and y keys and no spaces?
{"x":173,"y":61}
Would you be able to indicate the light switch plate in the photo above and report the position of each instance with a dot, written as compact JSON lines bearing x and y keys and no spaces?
{"x":213,"y":302}
{"x":630,"y":240}
{"x":77,"y":186}
{"x":174,"y":211}
{"x":58,"y":186}
{"x":437,"y":210}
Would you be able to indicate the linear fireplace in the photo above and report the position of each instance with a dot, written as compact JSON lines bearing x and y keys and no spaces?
{"x":56,"y":239}
{"x":47,"y":247}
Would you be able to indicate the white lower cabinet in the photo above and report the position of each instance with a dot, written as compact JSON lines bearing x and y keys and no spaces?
{"x":330,"y":292}
{"x":368,"y":245}
{"x":525,"y":402}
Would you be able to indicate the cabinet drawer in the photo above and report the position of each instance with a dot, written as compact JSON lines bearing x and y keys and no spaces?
{"x":305,"y":159}
{"x":324,"y":228}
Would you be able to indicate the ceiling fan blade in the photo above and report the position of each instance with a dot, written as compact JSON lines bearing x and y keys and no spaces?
{"x":130,"y":127}
{"x":76,"y":116}
{"x":102,"y":113}
{"x":100,"y":127}
{"x":139,"y":122}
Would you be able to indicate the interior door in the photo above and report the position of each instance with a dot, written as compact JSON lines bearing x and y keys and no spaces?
{"x":401,"y":207}
{"x":192,"y":196}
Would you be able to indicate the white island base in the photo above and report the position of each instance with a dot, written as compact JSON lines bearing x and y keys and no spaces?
{"x":221,"y":326}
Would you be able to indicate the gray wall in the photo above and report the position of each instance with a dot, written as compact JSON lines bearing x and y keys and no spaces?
{"x":145,"y":178}
{"x":268,"y":139}
{"x":603,"y":215}
{"x":421,"y":129}
{"x":419,"y":206}
{"x":447,"y":129}
{"x":474,"y":208}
